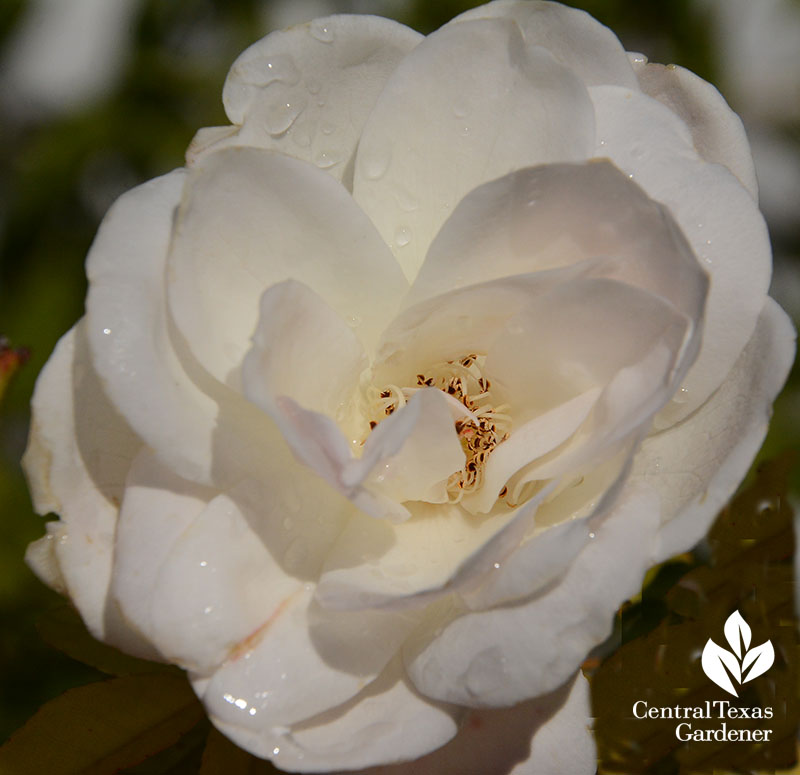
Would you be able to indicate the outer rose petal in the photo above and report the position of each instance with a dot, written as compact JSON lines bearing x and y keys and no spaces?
{"x":286,"y":220}
{"x":505,"y":655}
{"x":308,"y":90}
{"x":545,"y":736}
{"x":717,"y":132}
{"x":719,"y":218}
{"x":573,"y":37}
{"x":78,"y":453}
{"x":127,"y":329}
{"x":696,"y":465}
{"x":387,"y":721}
{"x":422,"y":151}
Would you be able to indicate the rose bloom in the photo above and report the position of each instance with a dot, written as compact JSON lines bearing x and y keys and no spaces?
{"x":383,"y":404}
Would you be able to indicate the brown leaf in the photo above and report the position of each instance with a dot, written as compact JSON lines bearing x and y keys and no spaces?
{"x":103,"y":727}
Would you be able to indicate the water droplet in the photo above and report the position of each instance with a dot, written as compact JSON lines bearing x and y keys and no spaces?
{"x":405,"y":201}
{"x":354,"y":321}
{"x":591,"y":535}
{"x":106,"y":331}
{"x":252,"y":711}
{"x":631,"y":176}
{"x":203,"y":563}
{"x":682,"y":396}
{"x":402,"y":236}
{"x":287,"y":523}
{"x":208,"y":609}
{"x":375,"y":162}
{"x":321,"y":31}
{"x":281,"y":115}
{"x":464,"y":130}
{"x":327,"y":128}
{"x":276,"y":751}
{"x":326,"y":159}
{"x":460,"y":110}
{"x":497,"y":566}
{"x":263,"y":71}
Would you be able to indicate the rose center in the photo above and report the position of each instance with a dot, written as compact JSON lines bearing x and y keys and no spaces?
{"x":482,"y":427}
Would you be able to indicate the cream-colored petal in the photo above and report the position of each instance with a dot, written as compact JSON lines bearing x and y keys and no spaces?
{"x":440,"y":549}
{"x":434,"y":134}
{"x":387,"y":721}
{"x":253,"y":218}
{"x":127,"y":330}
{"x":507,"y":654}
{"x":716,"y":213}
{"x":559,"y":216}
{"x":717,"y":132}
{"x":696,"y":465}
{"x":307,"y":91}
{"x":78,"y":453}
{"x":157,"y":508}
{"x":575,"y":38}
{"x":303,"y":350}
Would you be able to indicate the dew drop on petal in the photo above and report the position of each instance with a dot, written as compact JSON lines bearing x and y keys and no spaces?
{"x":280,"y":115}
{"x":402,"y":236}
{"x":354,"y":321}
{"x":264,"y":71}
{"x":326,"y":159}
{"x":320,"y":31}
{"x":374,"y":163}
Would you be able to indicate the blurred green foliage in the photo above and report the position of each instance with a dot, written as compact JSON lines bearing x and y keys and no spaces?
{"x":58,"y":176}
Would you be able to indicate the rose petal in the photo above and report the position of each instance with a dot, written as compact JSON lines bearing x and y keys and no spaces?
{"x":573,"y":37}
{"x":560,"y":216}
{"x":505,"y":655}
{"x":286,"y":220}
{"x":387,"y":721}
{"x":308,"y":90}
{"x":717,"y":215}
{"x":440,"y":549}
{"x":534,"y":439}
{"x":303,"y":350}
{"x":301,"y":662}
{"x":78,"y":452}
{"x":157,"y":508}
{"x":717,"y":132}
{"x":697,"y":464}
{"x":434,"y":135}
{"x":127,"y":330}
{"x":547,"y":735}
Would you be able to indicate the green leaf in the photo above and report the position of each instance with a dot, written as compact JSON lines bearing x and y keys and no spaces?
{"x":63,"y":629}
{"x":222,"y":757}
{"x":100,"y":728}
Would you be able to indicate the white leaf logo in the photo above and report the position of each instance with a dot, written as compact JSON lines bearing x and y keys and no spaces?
{"x":720,"y":665}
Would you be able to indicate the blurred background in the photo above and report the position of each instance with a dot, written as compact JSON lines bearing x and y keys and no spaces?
{"x":97,"y":96}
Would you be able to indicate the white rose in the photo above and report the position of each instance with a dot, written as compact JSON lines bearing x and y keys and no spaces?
{"x":384,"y":404}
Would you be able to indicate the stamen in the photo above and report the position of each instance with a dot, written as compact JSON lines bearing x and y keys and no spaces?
{"x":480,"y":433}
